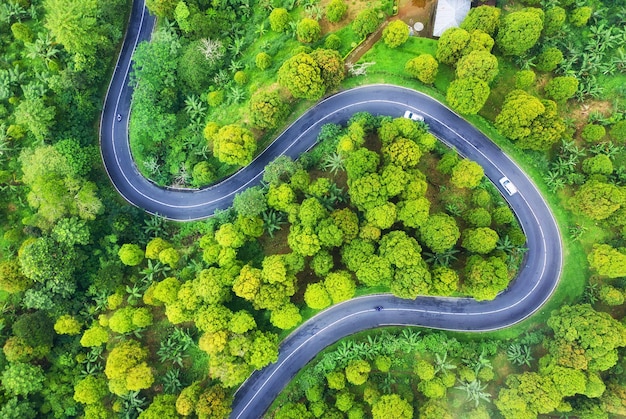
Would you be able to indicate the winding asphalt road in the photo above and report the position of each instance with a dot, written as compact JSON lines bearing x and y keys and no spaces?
{"x":537,"y":279}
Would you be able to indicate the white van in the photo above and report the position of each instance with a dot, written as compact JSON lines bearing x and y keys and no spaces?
{"x":508,"y":186}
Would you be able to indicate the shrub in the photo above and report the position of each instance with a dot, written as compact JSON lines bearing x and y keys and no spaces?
{"x":332,"y":41}
{"x":215,"y":98}
{"x":593,"y":133}
{"x":424,"y":67}
{"x":263,"y":60}
{"x":336,"y":10}
{"x":524,"y":79}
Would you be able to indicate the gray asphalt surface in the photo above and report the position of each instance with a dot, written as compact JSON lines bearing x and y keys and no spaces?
{"x":535,"y":283}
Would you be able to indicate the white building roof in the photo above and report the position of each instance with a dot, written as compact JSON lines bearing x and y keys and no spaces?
{"x":450,"y":13}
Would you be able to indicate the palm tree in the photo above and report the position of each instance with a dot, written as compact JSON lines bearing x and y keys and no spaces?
{"x":171,"y":381}
{"x":519,"y":354}
{"x":154,"y":226}
{"x":554,"y":181}
{"x":333,"y":163}
{"x":576,"y":231}
{"x":474,"y":391}
{"x":236,"y":47}
{"x":444,"y":258}
{"x":272,"y":221}
{"x":194,"y":107}
{"x":132,"y":405}
{"x":212,"y":49}
{"x":442,"y":364}
{"x":479,"y":363}
{"x":236,"y":94}
{"x":10,"y":11}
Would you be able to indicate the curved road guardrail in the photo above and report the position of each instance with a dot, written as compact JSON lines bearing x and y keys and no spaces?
{"x":536,"y":281}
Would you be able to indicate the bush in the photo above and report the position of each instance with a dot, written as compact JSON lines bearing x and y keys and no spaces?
{"x":524,"y":79}
{"x":240,"y":78}
{"x":561,"y":88}
{"x":263,"y":61}
{"x":549,"y":59}
{"x":618,"y":132}
{"x":308,"y":30}
{"x":580,"y":16}
{"x":332,"y":41}
{"x":279,"y":19}
{"x":215,"y":98}
{"x":365,"y":22}
{"x":593,"y":133}
{"x":336,"y":10}
{"x":395,"y":34}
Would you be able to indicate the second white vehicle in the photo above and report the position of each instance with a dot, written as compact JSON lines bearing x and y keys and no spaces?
{"x":413,"y":116}
{"x":508,"y":186}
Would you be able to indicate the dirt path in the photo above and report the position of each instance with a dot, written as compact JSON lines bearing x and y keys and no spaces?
{"x":409,"y":11}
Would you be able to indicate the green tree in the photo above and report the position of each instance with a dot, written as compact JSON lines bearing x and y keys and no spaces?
{"x":440,"y":232}
{"x":267,"y":109}
{"x":213,"y":403}
{"x":527,"y":395}
{"x":554,"y":20}
{"x":580,"y":16}
{"x":414,"y":212}
{"x":395,"y":34}
{"x":485,"y":278}
{"x":391,"y":406}
{"x":279,"y":19}
{"x":263,"y":61}
{"x":286,"y":316}
{"x":21,"y":379}
{"x":126,"y":368}
{"x":467,"y":174}
{"x":12,"y":279}
{"x":484,"y":18}
{"x":96,"y":335}
{"x":45,"y":261}
{"x":331,"y":66}
{"x":411,"y":281}
{"x":34,"y":328}
{"x":402,"y":152}
{"x":308,"y":30}
{"x":336,"y":10}
{"x":524,"y":79}
{"x":445,"y":281}
{"x":399,"y":249}
{"x":424,"y":67}
{"x":22,"y":32}
{"x":452,"y":45}
{"x":533,"y":123}
{"x":593,"y":133}
{"x":188,"y":398}
{"x":599,"y":164}
{"x":67,"y":325}
{"x":549,"y":59}
{"x":131,"y":254}
{"x":519,"y":31}
{"x":163,"y":406}
{"x":561,"y":88}
{"x":91,"y":389}
{"x":74,"y":24}
{"x":478,"y":217}
{"x":467,"y":95}
{"x":479,"y":64}
{"x":316,"y":296}
{"x":607,"y":261}
{"x":234,"y":145}
{"x":340,"y":286}
{"x":377,"y":271}
{"x":162,"y":8}
{"x":480,"y":240}
{"x":365,"y":22}
{"x":302,"y":76}
{"x":597,"y":200}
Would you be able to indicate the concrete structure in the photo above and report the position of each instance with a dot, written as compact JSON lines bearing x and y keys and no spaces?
{"x":449,"y":13}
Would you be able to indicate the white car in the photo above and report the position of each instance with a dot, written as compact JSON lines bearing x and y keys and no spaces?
{"x":508,"y":186}
{"x":413,"y":116}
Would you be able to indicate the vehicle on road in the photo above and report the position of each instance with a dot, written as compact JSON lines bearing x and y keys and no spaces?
{"x":119,"y":117}
{"x":413,"y":116}
{"x":508,"y":186}
{"x":379,"y":308}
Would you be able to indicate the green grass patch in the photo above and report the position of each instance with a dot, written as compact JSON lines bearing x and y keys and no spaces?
{"x":349,"y":39}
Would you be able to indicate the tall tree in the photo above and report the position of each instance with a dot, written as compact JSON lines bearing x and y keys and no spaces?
{"x":74,"y":24}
